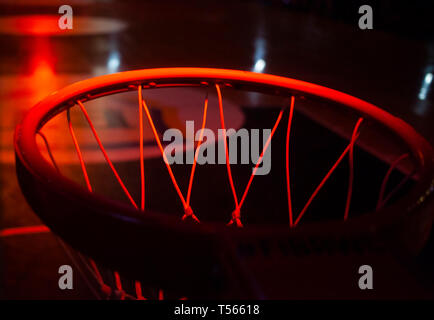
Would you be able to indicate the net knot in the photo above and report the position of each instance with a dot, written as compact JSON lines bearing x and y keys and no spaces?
{"x":188,"y":212}
{"x":119,"y":294}
{"x":236,"y":218}
{"x":106,"y":290}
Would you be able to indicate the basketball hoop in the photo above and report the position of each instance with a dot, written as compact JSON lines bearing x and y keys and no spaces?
{"x":187,"y":253}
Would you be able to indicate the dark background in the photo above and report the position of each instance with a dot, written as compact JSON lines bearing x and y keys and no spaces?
{"x":316,"y":41}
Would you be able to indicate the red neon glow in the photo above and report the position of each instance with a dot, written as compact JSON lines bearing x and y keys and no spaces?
{"x":139,"y":293}
{"x":236,"y":213}
{"x":37,"y":25}
{"x":89,"y":186}
{"x":47,"y":146}
{"x":119,"y":284}
{"x":23,"y":231}
{"x":118,"y":178}
{"x":324,"y":180}
{"x":267,"y":143}
{"x":43,"y":77}
{"x":142,"y":165}
{"x":351,"y":173}
{"x":160,"y":146}
{"x":188,"y":211}
{"x":77,"y":149}
{"x":41,"y":69}
{"x":288,"y":188}
{"x":193,"y":168}
{"x":392,"y":167}
{"x":137,"y":284}
{"x":228,"y":165}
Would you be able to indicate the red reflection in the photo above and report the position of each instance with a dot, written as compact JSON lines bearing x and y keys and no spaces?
{"x":23,"y":230}
{"x":43,"y":78}
{"x":42,"y":70}
{"x":35,"y":24}
{"x":41,"y":67}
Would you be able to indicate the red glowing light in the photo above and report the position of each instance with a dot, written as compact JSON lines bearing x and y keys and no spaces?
{"x":23,"y":230}
{"x":43,"y":76}
{"x":34,"y":25}
{"x":48,"y":25}
{"x":42,"y":70}
{"x":41,"y":67}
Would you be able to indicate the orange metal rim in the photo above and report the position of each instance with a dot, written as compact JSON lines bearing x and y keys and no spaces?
{"x":25,"y":136}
